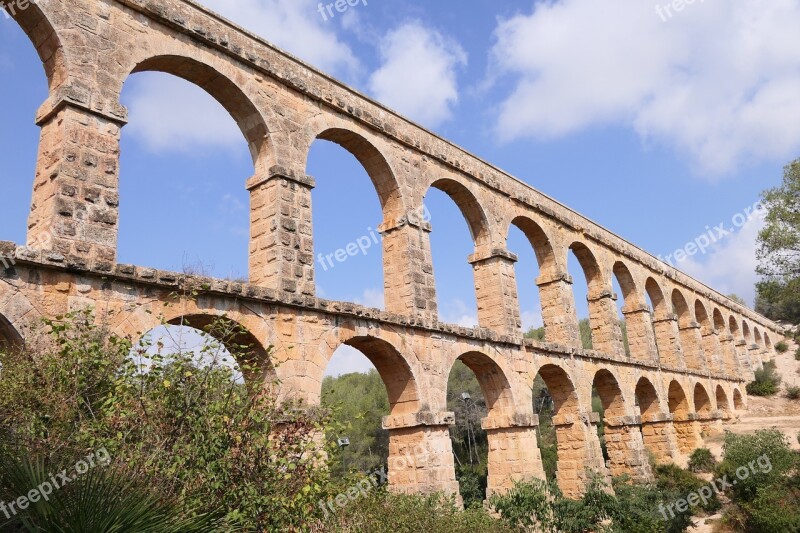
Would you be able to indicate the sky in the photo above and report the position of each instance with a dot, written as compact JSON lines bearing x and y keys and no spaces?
{"x":660,"y":125}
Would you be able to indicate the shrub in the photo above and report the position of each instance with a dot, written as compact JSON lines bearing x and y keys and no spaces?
{"x":382,"y":512}
{"x":102,"y":499}
{"x":674,"y":480}
{"x":765,"y":455}
{"x":766,"y":381}
{"x":190,"y":430}
{"x":797,"y":354}
{"x":702,"y":460}
{"x":793,"y":393}
{"x":781,"y":347}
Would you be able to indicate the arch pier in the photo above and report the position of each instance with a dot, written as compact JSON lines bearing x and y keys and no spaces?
{"x":691,"y":349}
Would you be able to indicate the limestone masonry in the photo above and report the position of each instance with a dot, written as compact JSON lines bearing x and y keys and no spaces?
{"x":690,"y":356}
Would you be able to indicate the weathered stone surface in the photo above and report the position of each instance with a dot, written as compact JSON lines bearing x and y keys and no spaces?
{"x":685,"y":372}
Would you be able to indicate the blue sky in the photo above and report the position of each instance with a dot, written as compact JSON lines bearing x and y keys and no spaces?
{"x":654,"y":126}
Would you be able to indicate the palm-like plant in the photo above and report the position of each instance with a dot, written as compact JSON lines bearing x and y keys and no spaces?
{"x":101,"y":501}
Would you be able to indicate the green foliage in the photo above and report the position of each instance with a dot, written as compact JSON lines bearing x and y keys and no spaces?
{"x":540,"y":506}
{"x":585,"y":329}
{"x":179,"y":419}
{"x":793,"y":393}
{"x":358,"y":403}
{"x":738,"y":299}
{"x":766,"y":495}
{"x":548,"y":445}
{"x":778,"y":292}
{"x":380,"y":512}
{"x":781,"y":347}
{"x":702,"y":460}
{"x":99,"y":500}
{"x":536,"y":334}
{"x":797,"y":354}
{"x":673,"y":480}
{"x":766,"y":382}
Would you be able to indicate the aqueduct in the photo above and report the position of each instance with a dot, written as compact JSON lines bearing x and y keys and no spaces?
{"x":689,"y":356}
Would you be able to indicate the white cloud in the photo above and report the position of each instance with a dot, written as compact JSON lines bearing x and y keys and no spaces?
{"x":718,"y":81}
{"x":730,"y":266}
{"x":418,"y":76}
{"x":293,"y":25}
{"x":531,"y":319}
{"x":168,"y":114}
{"x":347,"y":360}
{"x":371,"y":298}
{"x":457,"y":312}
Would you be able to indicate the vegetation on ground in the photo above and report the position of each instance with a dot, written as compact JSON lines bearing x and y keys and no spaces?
{"x":767,"y":381}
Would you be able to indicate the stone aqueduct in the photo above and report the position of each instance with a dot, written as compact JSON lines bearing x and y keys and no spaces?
{"x":690,"y":355}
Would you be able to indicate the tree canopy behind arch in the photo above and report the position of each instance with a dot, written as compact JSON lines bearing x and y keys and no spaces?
{"x":778,"y":250}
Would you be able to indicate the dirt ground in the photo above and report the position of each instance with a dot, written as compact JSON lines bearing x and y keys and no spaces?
{"x":762,"y":413}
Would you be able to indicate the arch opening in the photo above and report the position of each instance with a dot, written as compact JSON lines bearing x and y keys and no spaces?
{"x":722,"y":400}
{"x":477,"y":388}
{"x":624,"y":285}
{"x":738,"y":401}
{"x":10,"y":338}
{"x":451,"y":204}
{"x":690,"y":340}
{"x":190,"y":132}
{"x":347,"y":245}
{"x":702,"y":402}
{"x":583,"y":265}
{"x":524,"y":236}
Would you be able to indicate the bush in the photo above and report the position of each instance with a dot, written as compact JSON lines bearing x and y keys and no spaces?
{"x":793,"y":393}
{"x":766,"y":492}
{"x":781,"y":347}
{"x":382,"y":512}
{"x":674,"y":480}
{"x":189,"y":430}
{"x":766,"y":381}
{"x":702,"y":460}
{"x":538,"y":506}
{"x":797,"y":354}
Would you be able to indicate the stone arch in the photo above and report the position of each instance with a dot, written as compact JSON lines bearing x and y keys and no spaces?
{"x":250,"y":353}
{"x":10,"y":338}
{"x":709,"y":342}
{"x":470,"y":208}
{"x":540,"y":242}
{"x":729,"y":362}
{"x":39,"y":29}
{"x":375,"y":164}
{"x":623,"y":440}
{"x":647,"y":398}
{"x":738,"y":400}
{"x":746,"y":332}
{"x":603,"y":316}
{"x":677,"y":401}
{"x":638,"y":321}
{"x":496,"y":388}
{"x":663,"y":324}
{"x":701,"y":400}
{"x":225,"y":91}
{"x":657,"y":431}
{"x":722,"y":400}
{"x":578,"y":448}
{"x":686,"y":431}
{"x":551,"y":306}
{"x":395,"y":371}
{"x":690,"y":338}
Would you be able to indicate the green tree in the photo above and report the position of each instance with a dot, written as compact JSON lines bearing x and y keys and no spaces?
{"x":778,"y":292}
{"x":738,"y":299}
{"x":359,"y":402}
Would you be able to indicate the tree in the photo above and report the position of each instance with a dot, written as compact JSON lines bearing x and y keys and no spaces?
{"x":778,"y":292}
{"x":738,"y":299}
